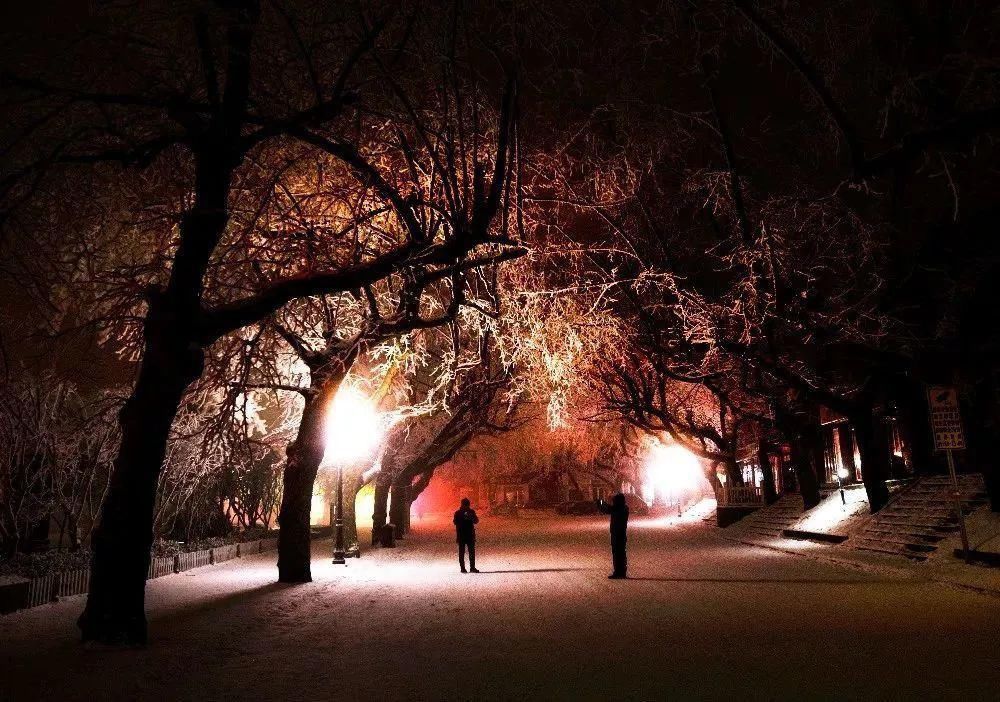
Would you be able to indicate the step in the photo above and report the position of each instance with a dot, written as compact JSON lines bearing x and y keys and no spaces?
{"x":764,"y":532}
{"x":771,"y":515}
{"x":901,"y":542}
{"x":910,"y":519}
{"x":763,"y":527}
{"x":946,"y":479}
{"x":776,"y":522}
{"x":940,"y":499}
{"x":931,"y":499}
{"x":962,"y":477}
{"x":904,"y":511}
{"x":878,"y":549}
{"x":943,"y":526}
{"x":801,"y":535}
{"x":929,"y":538}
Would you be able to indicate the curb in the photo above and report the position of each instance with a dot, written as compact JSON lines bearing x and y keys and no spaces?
{"x":802,"y":535}
{"x":985,"y":557}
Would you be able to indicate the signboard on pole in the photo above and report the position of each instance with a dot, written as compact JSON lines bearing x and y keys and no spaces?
{"x":946,"y":421}
{"x":946,"y":425}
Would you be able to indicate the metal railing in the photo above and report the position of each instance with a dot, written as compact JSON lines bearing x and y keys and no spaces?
{"x":732,"y":495}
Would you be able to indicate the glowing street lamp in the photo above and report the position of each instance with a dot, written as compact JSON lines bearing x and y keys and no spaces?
{"x":352,"y":433}
{"x":671,"y":468}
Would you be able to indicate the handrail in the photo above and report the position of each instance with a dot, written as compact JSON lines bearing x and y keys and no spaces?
{"x":740,"y":495}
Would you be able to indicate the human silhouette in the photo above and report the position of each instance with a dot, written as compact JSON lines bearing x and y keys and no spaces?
{"x":465,"y":532}
{"x":619,"y":526}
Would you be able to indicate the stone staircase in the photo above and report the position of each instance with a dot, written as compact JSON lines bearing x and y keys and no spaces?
{"x":768,"y":522}
{"x":919,"y":517}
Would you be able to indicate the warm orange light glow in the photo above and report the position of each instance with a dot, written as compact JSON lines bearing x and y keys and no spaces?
{"x":318,"y":512}
{"x":352,"y":427}
{"x":364,"y":505}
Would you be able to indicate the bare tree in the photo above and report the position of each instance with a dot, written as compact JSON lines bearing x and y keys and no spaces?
{"x":221,"y":108}
{"x":28,"y":428}
{"x":478,"y":400}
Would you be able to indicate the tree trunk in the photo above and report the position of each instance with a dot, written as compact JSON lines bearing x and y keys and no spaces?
{"x":407,"y":515}
{"x":417,"y":487}
{"x":381,"y":512}
{"x":914,"y":424}
{"x":991,"y":476}
{"x":305,"y":455}
{"x":873,"y":446}
{"x":801,"y":434}
{"x":805,"y":472}
{"x":712,"y":475}
{"x":173,"y":358}
{"x":420,"y":484}
{"x":399,"y":506}
{"x":73,"y":531}
{"x":352,"y":486}
{"x":115,"y":610}
{"x":982,"y":424}
{"x":733,"y":474}
{"x":768,"y":489}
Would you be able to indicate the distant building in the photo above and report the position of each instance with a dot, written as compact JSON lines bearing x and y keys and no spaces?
{"x":544,"y":488}
{"x":842,"y":459}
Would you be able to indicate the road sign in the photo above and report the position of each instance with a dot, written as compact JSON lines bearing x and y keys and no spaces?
{"x":946,"y":425}
{"x":946,"y":421}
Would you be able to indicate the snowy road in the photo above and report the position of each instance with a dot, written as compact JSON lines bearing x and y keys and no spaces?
{"x":702,"y":618}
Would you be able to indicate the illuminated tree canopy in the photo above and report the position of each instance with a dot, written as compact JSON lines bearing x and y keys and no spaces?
{"x":558,"y":230}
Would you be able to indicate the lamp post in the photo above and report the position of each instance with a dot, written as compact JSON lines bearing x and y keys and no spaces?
{"x":338,"y":523}
{"x":841,"y":476}
{"x":352,"y":432}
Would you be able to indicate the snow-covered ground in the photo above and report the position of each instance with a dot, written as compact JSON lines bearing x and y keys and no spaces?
{"x":701,"y":618}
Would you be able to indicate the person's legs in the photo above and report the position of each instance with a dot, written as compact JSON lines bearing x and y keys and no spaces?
{"x":619,"y":558}
{"x":461,"y":555}
{"x":472,"y":557}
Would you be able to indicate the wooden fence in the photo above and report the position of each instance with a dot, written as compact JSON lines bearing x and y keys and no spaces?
{"x":42,"y":590}
{"x":73,"y":582}
{"x":158,"y":567}
{"x":49,"y":588}
{"x":225,"y":553}
{"x":193,"y":559}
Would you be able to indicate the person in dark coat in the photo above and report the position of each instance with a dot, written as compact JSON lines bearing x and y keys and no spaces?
{"x":465,"y":532}
{"x":619,"y":526}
